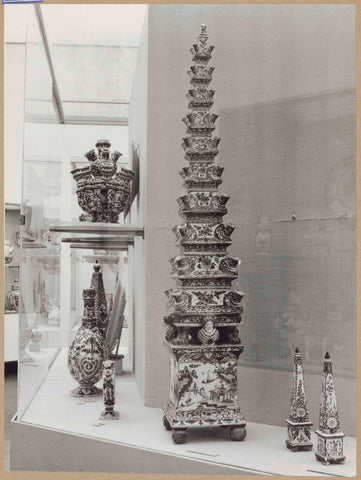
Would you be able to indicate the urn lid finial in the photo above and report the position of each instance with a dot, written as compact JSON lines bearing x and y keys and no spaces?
{"x":103,"y":143}
{"x":96,"y":267}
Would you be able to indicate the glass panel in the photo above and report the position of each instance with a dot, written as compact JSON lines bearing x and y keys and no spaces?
{"x":95,"y":112}
{"x":40,"y":333}
{"x":94,"y":24}
{"x":94,"y":73}
{"x":53,"y":273}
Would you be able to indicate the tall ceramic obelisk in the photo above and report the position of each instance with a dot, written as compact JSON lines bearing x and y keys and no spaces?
{"x":298,"y":423}
{"x":329,"y":436}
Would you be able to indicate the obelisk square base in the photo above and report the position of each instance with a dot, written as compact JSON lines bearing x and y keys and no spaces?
{"x":203,"y":390}
{"x":299,"y":436}
{"x":330,"y":447}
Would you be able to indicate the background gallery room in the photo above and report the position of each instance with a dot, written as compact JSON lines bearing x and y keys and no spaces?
{"x":180,"y":239}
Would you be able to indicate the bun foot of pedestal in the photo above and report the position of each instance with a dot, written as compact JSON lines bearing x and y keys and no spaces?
{"x":237,"y":433}
{"x":166,"y":424}
{"x":179,"y":435}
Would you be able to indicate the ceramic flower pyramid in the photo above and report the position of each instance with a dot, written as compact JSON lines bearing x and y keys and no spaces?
{"x":202,"y":334}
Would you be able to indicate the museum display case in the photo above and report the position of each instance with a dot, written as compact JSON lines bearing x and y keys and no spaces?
{"x":57,"y":252}
{"x":11,"y":284}
{"x":96,"y":238}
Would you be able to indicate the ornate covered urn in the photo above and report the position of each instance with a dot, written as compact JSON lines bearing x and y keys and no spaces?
{"x":298,"y":423}
{"x":86,"y":353}
{"x":103,"y":192}
{"x":329,"y":436}
{"x":202,"y":334}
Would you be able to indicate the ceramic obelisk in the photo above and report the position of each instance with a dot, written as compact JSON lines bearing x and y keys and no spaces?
{"x":329,"y":436}
{"x":101,"y":307}
{"x":298,"y":423}
{"x":202,"y":335}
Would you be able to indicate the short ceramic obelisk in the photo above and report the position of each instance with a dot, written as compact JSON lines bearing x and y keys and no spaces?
{"x":109,"y":391}
{"x":101,"y":307}
{"x":298,"y":423}
{"x":329,"y":436}
{"x":86,"y":353}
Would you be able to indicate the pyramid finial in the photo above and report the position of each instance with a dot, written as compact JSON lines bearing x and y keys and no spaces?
{"x":203,"y":36}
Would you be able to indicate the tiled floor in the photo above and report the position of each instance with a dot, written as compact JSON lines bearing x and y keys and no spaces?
{"x":10,"y":406}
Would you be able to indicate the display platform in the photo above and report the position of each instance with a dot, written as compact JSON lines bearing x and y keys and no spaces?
{"x":58,"y":432}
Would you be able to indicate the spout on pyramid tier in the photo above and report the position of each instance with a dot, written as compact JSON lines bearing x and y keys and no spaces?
{"x":200,"y":148}
{"x":204,"y":266}
{"x":202,"y":176}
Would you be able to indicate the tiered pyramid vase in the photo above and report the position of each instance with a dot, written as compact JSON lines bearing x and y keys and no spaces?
{"x":329,"y":436}
{"x":298,"y":424}
{"x":202,"y":335}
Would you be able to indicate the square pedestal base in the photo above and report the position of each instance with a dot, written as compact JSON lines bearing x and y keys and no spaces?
{"x":299,"y":436}
{"x":330,"y":447}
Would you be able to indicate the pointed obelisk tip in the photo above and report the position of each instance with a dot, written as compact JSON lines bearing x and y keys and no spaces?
{"x":327,"y":356}
{"x":297,"y":350}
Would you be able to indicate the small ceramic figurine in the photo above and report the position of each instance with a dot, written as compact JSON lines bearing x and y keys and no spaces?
{"x":208,"y":334}
{"x":329,"y":436}
{"x":298,"y":424}
{"x":109,"y":391}
{"x":86,"y":353}
{"x":8,"y":252}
